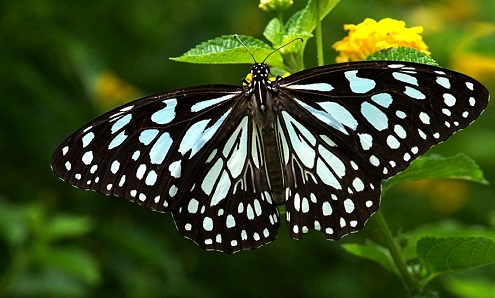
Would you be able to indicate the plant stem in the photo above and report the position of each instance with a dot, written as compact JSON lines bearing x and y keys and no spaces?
{"x":396,"y":253}
{"x":319,"y":36}
{"x":280,"y":17}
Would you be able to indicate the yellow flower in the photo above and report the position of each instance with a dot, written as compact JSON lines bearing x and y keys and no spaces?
{"x":275,"y":5}
{"x":371,"y":36}
{"x":111,"y":91}
{"x":445,"y":196}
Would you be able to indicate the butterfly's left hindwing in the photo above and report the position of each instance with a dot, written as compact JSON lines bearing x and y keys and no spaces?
{"x":343,"y":128}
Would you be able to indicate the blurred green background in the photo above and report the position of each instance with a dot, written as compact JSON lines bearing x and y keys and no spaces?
{"x":62,"y":63}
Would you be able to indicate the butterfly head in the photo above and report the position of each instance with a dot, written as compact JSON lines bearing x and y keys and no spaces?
{"x":260,"y":72}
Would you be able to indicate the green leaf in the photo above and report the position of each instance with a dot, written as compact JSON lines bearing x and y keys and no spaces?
{"x":442,"y":255}
{"x":228,"y":50}
{"x":459,"y":166}
{"x":305,"y":20}
{"x":405,"y":54}
{"x":445,"y":228}
{"x":68,"y":226}
{"x":274,"y":32}
{"x":373,"y":253}
{"x":472,"y":287}
{"x":72,"y":260}
{"x":14,"y":228}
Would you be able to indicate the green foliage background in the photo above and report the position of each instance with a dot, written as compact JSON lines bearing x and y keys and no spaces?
{"x":59,"y":241}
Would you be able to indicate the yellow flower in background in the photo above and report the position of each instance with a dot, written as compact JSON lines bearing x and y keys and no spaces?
{"x":371,"y":36}
{"x":112,"y":91}
{"x":275,"y":5}
{"x":466,"y":59}
{"x":445,"y":196}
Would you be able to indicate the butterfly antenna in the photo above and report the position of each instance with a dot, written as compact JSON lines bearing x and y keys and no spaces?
{"x":297,"y":38}
{"x":247,"y":49}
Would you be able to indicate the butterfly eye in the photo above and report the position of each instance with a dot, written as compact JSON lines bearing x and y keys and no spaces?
{"x":321,"y":144}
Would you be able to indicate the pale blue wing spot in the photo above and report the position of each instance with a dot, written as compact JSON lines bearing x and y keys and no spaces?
{"x":326,"y":175}
{"x":199,"y":106}
{"x":366,"y":141}
{"x":405,"y":78}
{"x":333,"y":161}
{"x":374,"y":116}
{"x":323,"y":87}
{"x":327,"y":116}
{"x":87,"y":157}
{"x":449,"y":99}
{"x":160,"y":148}
{"x":136,"y":155}
{"x":382,"y":99}
{"x":147,"y":136}
{"x":470,"y":86}
{"x":328,"y":141}
{"x":222,"y":189}
{"x":444,"y":82}
{"x":302,"y":141}
{"x":87,"y":138}
{"x":392,"y":142}
{"x":171,"y":192}
{"x":115,"y":166}
{"x":237,"y":157}
{"x":167,"y":114}
{"x":283,"y":142}
{"x":349,"y":206}
{"x":212,"y":155}
{"x":414,"y":93}
{"x":256,"y":147}
{"x":118,"y":140}
{"x":151,"y":178}
{"x":400,"y":114}
{"x":141,"y":171}
{"x":65,"y":150}
{"x":340,"y":114}
{"x":123,"y":121}
{"x":128,"y":108}
{"x":175,"y":169}
{"x":359,"y":85}
{"x":198,"y":135}
{"x":400,"y":131}
{"x":212,"y":176}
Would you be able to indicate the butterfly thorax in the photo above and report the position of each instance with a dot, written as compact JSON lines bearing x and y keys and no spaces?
{"x":260,"y":94}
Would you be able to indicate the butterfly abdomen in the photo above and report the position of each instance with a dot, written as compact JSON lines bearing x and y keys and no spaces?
{"x":261,"y":94}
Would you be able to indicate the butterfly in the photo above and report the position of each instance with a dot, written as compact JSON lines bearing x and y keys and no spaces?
{"x":221,"y":158}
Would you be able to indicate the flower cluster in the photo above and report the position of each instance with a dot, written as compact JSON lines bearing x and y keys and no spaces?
{"x":275,"y":5}
{"x":371,"y":36}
